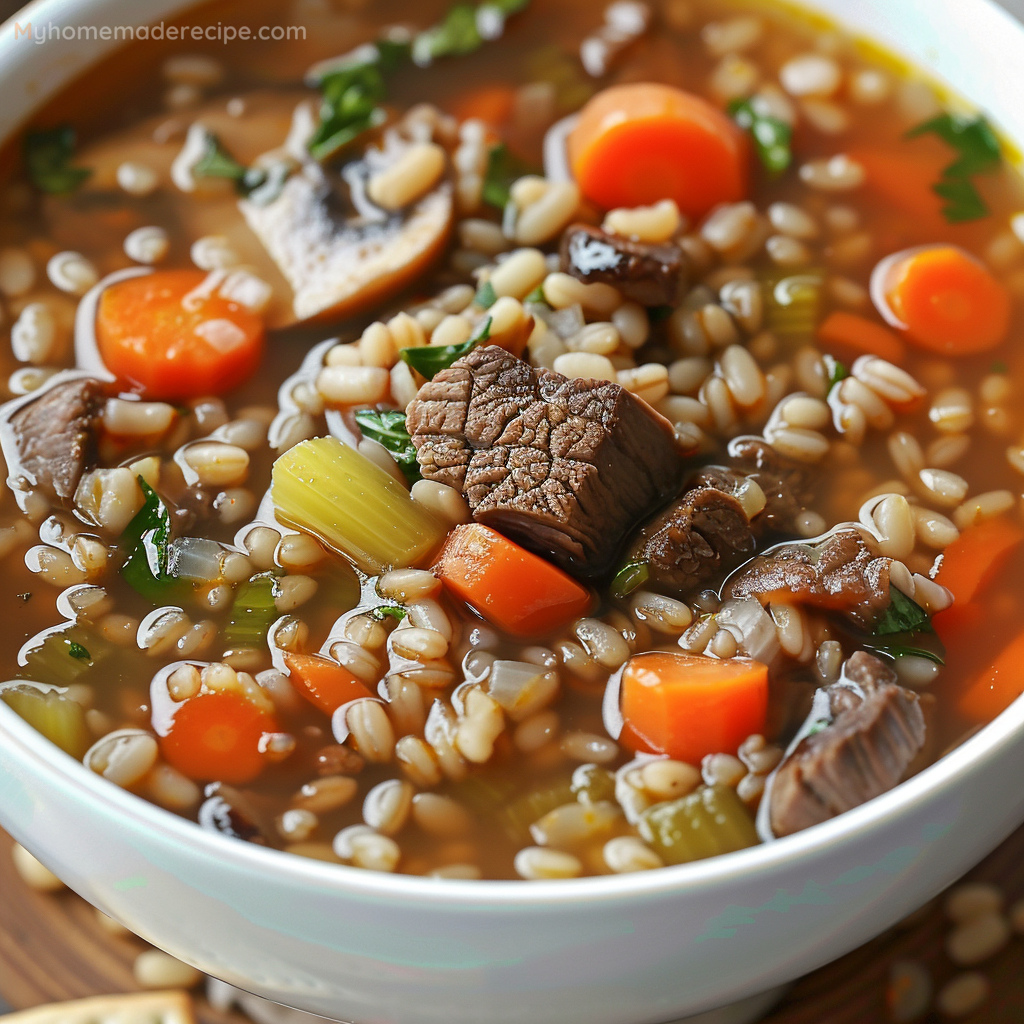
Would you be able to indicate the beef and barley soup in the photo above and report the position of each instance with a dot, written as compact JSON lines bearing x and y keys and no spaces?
{"x":541,"y":441}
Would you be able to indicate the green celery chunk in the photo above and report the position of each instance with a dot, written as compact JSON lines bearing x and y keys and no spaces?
{"x":49,"y":711}
{"x":253,"y":612}
{"x":591,"y":783}
{"x":708,"y":822}
{"x":793,"y":306}
{"x":357,"y":509}
{"x":517,"y":817}
{"x":64,"y":656}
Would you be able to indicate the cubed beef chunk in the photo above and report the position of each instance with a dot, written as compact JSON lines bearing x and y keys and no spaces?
{"x":653,"y":275}
{"x":54,"y":436}
{"x":863,"y":735}
{"x":784,"y":482}
{"x":841,"y":574}
{"x":695,"y":540}
{"x":563,"y":466}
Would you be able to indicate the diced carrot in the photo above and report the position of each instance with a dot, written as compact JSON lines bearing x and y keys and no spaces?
{"x":948,"y":300}
{"x":639,"y":143}
{"x":858,"y":334}
{"x":998,"y":686}
{"x":970,"y":563}
{"x":491,"y":104}
{"x":904,"y":180}
{"x":216,"y":736}
{"x":689,"y":705}
{"x":323,"y":682}
{"x":510,"y":587}
{"x":154,"y":340}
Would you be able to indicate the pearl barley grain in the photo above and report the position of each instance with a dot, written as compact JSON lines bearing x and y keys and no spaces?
{"x":155,"y":969}
{"x":137,"y":179}
{"x":34,"y":874}
{"x":147,"y":244}
{"x":71,"y":272}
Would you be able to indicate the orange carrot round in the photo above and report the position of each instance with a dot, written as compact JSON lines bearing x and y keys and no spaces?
{"x":994,"y":689}
{"x":637,"y":144}
{"x":163,"y":335}
{"x":509,"y":586}
{"x":943,"y":299}
{"x":216,"y":736}
{"x":324,"y":683}
{"x":858,"y":334}
{"x":689,"y":705}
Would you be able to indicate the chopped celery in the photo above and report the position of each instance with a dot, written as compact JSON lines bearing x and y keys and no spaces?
{"x":48,"y":710}
{"x":708,"y":822}
{"x":331,"y":491}
{"x":521,"y":813}
{"x":792,"y":306}
{"x":591,"y":783}
{"x":63,"y":656}
{"x":252,"y":613}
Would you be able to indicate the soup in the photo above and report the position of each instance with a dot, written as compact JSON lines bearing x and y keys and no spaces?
{"x":540,"y":442}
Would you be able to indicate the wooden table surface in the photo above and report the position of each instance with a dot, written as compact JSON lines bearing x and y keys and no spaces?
{"x":52,"y":947}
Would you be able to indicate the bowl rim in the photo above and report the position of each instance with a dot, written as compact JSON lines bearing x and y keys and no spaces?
{"x":965,"y":762}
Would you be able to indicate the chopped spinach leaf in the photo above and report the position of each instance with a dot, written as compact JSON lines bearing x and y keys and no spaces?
{"x":836,"y":371}
{"x":389,"y":430}
{"x":629,"y":577}
{"x":772,"y":137}
{"x":486,"y":295}
{"x":147,"y":539}
{"x":48,"y":159}
{"x":904,"y":615}
{"x":388,"y":611}
{"x":429,"y":360}
{"x":503,"y":168}
{"x":76,"y":650}
{"x":979,"y":153}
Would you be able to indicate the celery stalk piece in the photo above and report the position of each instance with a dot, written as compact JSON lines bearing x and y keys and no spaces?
{"x":708,"y":822}
{"x":47,"y":709}
{"x":331,"y":491}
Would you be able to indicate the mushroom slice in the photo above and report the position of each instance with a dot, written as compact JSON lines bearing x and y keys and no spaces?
{"x":341,"y":264}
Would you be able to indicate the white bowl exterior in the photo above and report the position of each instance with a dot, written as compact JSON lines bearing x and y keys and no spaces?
{"x":638,"y":949}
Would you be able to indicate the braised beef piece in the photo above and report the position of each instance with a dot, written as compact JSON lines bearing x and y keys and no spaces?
{"x":695,"y":540}
{"x":864,"y":734}
{"x":55,"y":435}
{"x":841,"y":574}
{"x":653,"y":275}
{"x":565,"y":467}
{"x":784,"y":482}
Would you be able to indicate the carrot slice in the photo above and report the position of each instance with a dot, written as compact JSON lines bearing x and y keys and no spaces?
{"x":323,"y":682}
{"x":172,"y":349}
{"x":510,"y":587}
{"x":947,"y":300}
{"x":639,"y":143}
{"x":998,"y":686}
{"x":970,"y":562}
{"x":904,"y":180}
{"x":689,"y":705}
{"x":216,"y":736}
{"x":858,"y":334}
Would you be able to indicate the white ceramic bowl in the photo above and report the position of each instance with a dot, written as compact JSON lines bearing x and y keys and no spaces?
{"x":640,"y":949}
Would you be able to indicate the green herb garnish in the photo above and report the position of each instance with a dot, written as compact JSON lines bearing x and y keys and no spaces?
{"x":629,"y":577}
{"x":76,"y":650}
{"x":261,"y":185}
{"x":772,"y":137}
{"x":48,"y":159}
{"x":389,"y":430}
{"x":429,"y":360}
{"x":456,"y":36}
{"x":836,"y":371}
{"x":537,"y":296}
{"x":349,"y":106}
{"x":388,"y":611}
{"x":904,"y":615}
{"x":486,"y":295}
{"x":147,"y":538}
{"x":503,"y":168}
{"x":979,"y":153}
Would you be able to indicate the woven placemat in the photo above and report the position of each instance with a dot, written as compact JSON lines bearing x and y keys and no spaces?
{"x":52,"y":948}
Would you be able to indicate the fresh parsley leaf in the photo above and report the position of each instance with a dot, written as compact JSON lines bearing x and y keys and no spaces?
{"x":503,"y":168}
{"x":979,"y":153}
{"x":486,"y":295}
{"x":388,"y":611}
{"x":904,"y":615}
{"x":76,"y":650}
{"x":537,"y":295}
{"x":772,"y":137}
{"x":217,"y":162}
{"x":456,"y":36}
{"x":349,"y":105}
{"x":48,"y":160}
{"x":389,"y":429}
{"x":429,"y":360}
{"x":629,"y":577}
{"x":147,"y":538}
{"x":836,"y":371}
{"x":261,"y":185}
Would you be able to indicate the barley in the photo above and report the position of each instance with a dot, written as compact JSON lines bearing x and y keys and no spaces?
{"x":585,"y":365}
{"x":536,"y":863}
{"x":216,"y":464}
{"x":137,"y":419}
{"x":983,"y":506}
{"x":519,"y":274}
{"x":586,"y":747}
{"x":734,"y":77}
{"x":419,"y":644}
{"x":326,"y":794}
{"x":439,"y":731}
{"x":375,"y":852}
{"x":649,"y":381}
{"x":835,"y":174}
{"x":169,"y":788}
{"x":793,"y":221}
{"x":801,"y":445}
{"x":668,"y":780}
{"x":810,"y":74}
{"x":482,"y":236}
{"x":805,"y":413}
{"x":387,"y":806}
{"x":603,"y":643}
{"x":995,"y":389}
{"x":742,"y":376}
{"x":650,"y":224}
{"x":33,"y":873}
{"x":71,"y":272}
{"x":977,"y":939}
{"x":663,"y":614}
{"x":893,"y":522}
{"x":575,"y":824}
{"x":443,"y":500}
{"x":906,"y":454}
{"x":787,"y":252}
{"x":480,"y":727}
{"x":562,"y":291}
{"x":123,"y":757}
{"x":964,"y":994}
{"x":952,"y":411}
{"x":877,"y":413}
{"x":934,"y":530}
{"x":371,"y":730}
{"x":428,"y":614}
{"x":213,"y":252}
{"x":545,"y":218}
{"x":870,"y":87}
{"x":728,"y":227}
{"x":17,"y":272}
{"x":353,"y":385}
{"x":410,"y":178}
{"x":789,"y":624}
{"x":441,"y":816}
{"x":418,"y":761}
{"x":34,"y":334}
{"x":944,"y":488}
{"x":154,"y":969}
{"x":722,"y":770}
{"x":536,"y":732}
